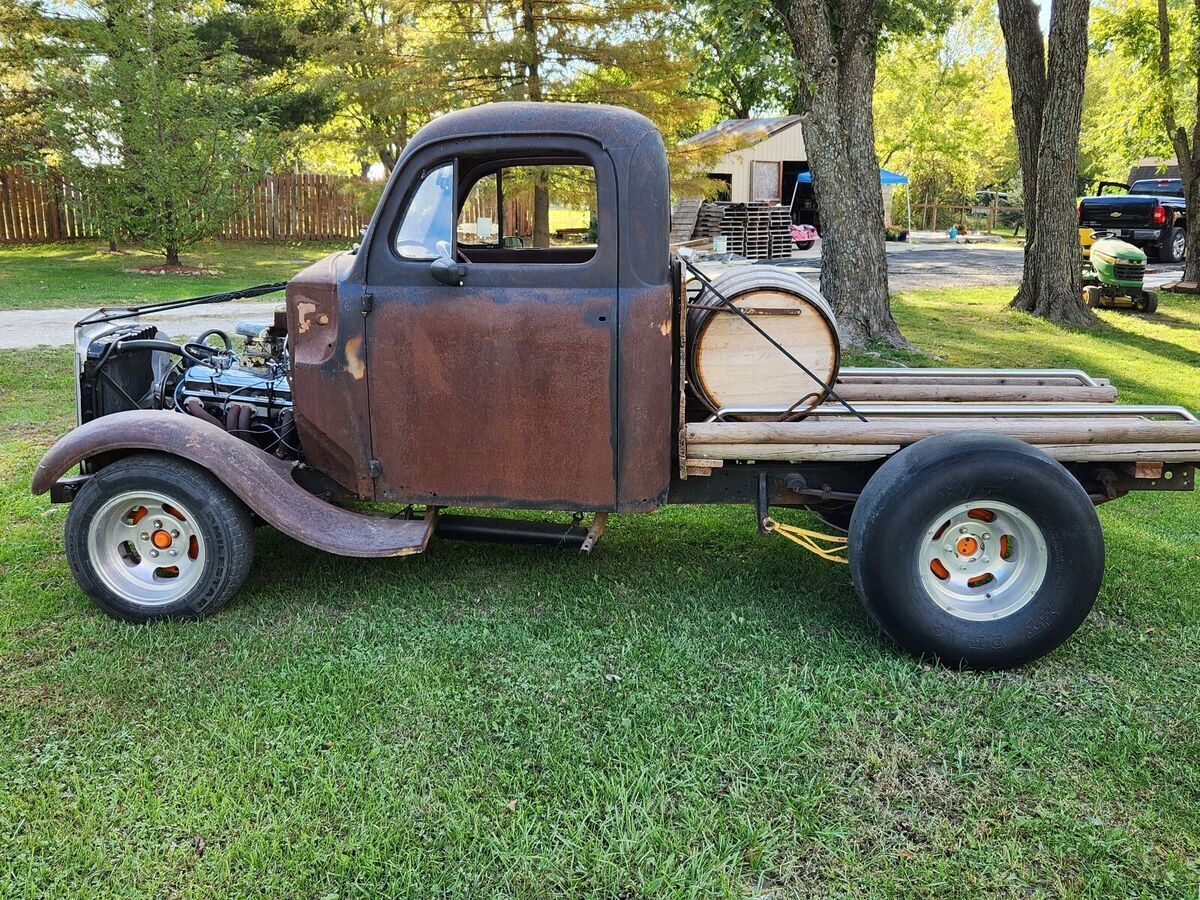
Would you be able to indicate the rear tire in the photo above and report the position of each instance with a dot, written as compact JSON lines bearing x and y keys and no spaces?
{"x":155,"y":537}
{"x":1092,"y":296}
{"x":803,"y":245}
{"x":1147,"y":302}
{"x":976,"y":549}
{"x":1172,"y":248}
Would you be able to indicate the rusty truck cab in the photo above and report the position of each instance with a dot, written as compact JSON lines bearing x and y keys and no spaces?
{"x":449,"y":363}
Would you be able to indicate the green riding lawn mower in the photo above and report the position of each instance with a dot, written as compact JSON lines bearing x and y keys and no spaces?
{"x":1114,"y":273}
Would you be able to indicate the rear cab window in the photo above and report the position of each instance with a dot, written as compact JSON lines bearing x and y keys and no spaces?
{"x":544,"y":213}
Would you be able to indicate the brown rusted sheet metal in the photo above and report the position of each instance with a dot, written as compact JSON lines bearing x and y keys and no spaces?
{"x":263,"y":482}
{"x":645,"y":442}
{"x":493,"y":396}
{"x":326,"y":341}
{"x":543,"y":386}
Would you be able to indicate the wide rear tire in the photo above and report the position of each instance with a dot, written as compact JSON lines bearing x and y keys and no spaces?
{"x":155,"y":537}
{"x":976,"y":549}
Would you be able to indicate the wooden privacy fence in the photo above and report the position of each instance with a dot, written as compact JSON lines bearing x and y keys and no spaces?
{"x":37,"y":207}
{"x":42,"y":208}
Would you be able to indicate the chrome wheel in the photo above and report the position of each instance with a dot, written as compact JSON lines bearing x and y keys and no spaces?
{"x":1178,"y":245}
{"x":146,"y":548}
{"x":982,"y":561}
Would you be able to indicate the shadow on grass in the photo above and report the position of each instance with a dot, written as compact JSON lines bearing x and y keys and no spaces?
{"x":675,"y":566}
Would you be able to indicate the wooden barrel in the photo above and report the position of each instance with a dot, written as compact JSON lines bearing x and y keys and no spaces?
{"x":731,"y":364}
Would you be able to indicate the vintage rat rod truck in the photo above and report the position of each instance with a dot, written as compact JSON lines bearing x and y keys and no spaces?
{"x":462,"y":357}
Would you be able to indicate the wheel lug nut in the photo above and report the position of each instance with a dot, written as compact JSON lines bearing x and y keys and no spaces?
{"x":174,"y":552}
{"x":158,"y":523}
{"x":145,"y":535}
{"x":946,"y":547}
{"x":174,"y":532}
{"x":963,"y":530}
{"x":987,"y":536}
{"x":987,"y":559}
{"x":154,"y":554}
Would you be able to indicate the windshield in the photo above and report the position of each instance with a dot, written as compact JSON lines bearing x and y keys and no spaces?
{"x":1158,"y":187}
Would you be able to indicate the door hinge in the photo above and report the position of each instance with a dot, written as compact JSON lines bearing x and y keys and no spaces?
{"x":368,"y":302}
{"x":374,"y":469}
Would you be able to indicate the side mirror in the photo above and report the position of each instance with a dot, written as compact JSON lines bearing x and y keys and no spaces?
{"x":447,"y":271}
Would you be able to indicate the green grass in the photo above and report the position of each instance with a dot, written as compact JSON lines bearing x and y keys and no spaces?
{"x":691,"y":711}
{"x":83,"y":273}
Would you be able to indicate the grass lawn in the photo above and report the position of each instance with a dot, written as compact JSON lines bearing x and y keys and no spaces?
{"x":691,"y":711}
{"x":82,"y":273}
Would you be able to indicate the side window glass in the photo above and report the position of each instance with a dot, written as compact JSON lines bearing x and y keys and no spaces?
{"x":426,"y":230}
{"x":536,"y":208}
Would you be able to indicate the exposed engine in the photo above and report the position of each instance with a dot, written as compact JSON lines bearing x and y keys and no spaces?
{"x":247,"y":390}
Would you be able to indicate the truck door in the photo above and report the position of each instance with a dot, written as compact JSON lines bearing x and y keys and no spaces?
{"x":499,"y":391}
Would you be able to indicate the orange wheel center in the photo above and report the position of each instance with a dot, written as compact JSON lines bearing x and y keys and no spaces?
{"x":967,"y":546}
{"x":162,"y":540}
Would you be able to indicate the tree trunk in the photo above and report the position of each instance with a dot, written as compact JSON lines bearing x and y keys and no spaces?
{"x":839,"y":134}
{"x":1187,"y":147}
{"x":1191,"y":259}
{"x":1047,"y":100}
{"x":173,"y":256}
{"x":1025,"y":61}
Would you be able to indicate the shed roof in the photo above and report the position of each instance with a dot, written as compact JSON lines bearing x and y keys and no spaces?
{"x":749,"y":130}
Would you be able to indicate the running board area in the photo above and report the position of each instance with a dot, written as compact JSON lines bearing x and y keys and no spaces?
{"x":532,"y":533}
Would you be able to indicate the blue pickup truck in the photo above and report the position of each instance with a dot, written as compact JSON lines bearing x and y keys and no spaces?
{"x":1150,"y":213}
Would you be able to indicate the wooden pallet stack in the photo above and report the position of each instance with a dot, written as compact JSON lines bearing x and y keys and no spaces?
{"x":708,"y":222}
{"x":758,"y":231}
{"x":683,"y":219}
{"x":781,"y":234}
{"x":733,"y":226}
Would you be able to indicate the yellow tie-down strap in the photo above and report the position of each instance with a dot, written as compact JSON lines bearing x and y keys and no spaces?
{"x":834,"y":552}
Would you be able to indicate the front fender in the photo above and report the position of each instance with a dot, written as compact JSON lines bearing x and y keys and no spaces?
{"x":263,"y":482}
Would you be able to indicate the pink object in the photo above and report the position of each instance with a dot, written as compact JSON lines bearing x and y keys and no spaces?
{"x":803,"y":233}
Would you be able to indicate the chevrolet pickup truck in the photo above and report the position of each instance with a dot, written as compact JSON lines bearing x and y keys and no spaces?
{"x":1152,"y":215}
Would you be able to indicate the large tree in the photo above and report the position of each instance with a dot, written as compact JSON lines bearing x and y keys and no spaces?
{"x":835,"y":43}
{"x":144,"y":117}
{"x":1185,"y":137}
{"x":743,"y":65}
{"x":1157,"y":44}
{"x":1046,"y":77}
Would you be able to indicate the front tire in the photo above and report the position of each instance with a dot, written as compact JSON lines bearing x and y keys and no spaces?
{"x":155,"y":537}
{"x":1147,"y":302}
{"x":976,"y":549}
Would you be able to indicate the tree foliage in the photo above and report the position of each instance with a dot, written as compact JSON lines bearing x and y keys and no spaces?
{"x":942,"y":109}
{"x":153,"y":127}
{"x":741,"y":64}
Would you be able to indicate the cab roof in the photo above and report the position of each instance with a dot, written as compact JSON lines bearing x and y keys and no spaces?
{"x":611,"y":126}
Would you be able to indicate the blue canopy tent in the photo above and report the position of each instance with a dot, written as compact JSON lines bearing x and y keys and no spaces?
{"x":886,"y":176}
